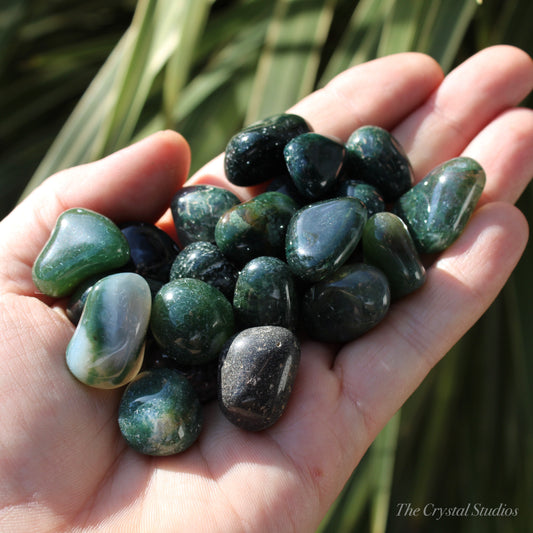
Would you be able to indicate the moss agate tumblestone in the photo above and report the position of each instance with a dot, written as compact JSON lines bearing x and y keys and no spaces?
{"x":437,"y":209}
{"x":82,"y":243}
{"x":160,"y":413}
{"x":368,"y":194}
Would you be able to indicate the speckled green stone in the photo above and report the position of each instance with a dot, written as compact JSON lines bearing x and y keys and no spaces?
{"x":106,"y":350}
{"x":191,"y":320}
{"x":265,"y":294}
{"x":160,"y":413}
{"x":347,"y":304}
{"x":368,"y":194}
{"x":256,"y":376}
{"x":255,"y":228}
{"x":322,"y":236}
{"x":437,"y":209}
{"x":374,"y":156}
{"x":196,"y":210}
{"x":388,"y":246}
{"x":82,"y":243}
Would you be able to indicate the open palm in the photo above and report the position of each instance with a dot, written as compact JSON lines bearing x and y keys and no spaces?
{"x":63,"y":462}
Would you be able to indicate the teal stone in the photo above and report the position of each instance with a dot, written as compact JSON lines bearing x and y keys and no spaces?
{"x":196,"y":210}
{"x":159,"y":413}
{"x":387,"y":244}
{"x":347,"y":304}
{"x":437,"y":209}
{"x":265,"y":295}
{"x":82,"y":243}
{"x":106,"y":350}
{"x":374,"y":156}
{"x":257,"y":370}
{"x":255,"y":154}
{"x":255,"y":228}
{"x":314,"y":162}
{"x":191,"y":320}
{"x":323,"y":235}
{"x":368,"y":194}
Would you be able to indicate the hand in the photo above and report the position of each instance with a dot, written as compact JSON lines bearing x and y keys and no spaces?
{"x":63,"y":462}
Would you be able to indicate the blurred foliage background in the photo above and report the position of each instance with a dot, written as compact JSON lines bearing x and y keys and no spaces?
{"x":81,"y":79}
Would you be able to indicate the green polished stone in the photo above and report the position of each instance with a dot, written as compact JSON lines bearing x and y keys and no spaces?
{"x":82,"y":243}
{"x":323,"y":235}
{"x":256,"y":375}
{"x":191,"y":320}
{"x":106,"y":350}
{"x":255,"y":154}
{"x":347,"y":304}
{"x":368,"y":194}
{"x":387,"y":244}
{"x":265,"y":294}
{"x":159,"y":413}
{"x":437,"y":209}
{"x":374,"y":156}
{"x":314,"y":162}
{"x":255,"y":228}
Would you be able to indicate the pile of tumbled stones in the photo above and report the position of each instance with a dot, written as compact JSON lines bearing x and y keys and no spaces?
{"x":337,"y":235}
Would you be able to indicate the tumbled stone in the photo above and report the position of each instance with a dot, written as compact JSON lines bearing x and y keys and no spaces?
{"x":388,"y":246}
{"x":286,"y":186}
{"x":191,"y":320}
{"x":82,"y":243}
{"x":159,"y":413}
{"x":374,"y":156}
{"x":265,"y":295}
{"x":347,"y":304}
{"x":256,"y":376}
{"x":437,"y":209}
{"x":255,"y":154}
{"x":196,"y":209}
{"x":106,"y":350}
{"x":322,"y":236}
{"x":368,"y":194}
{"x":255,"y":228}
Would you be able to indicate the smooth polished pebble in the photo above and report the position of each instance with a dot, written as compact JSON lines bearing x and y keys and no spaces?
{"x":81,"y":244}
{"x":368,"y":194}
{"x":106,"y":350}
{"x":159,"y":413}
{"x":256,"y":376}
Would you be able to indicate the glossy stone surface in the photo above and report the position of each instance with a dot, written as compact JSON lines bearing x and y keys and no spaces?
{"x":255,"y":154}
{"x":106,"y":350}
{"x":347,"y":304}
{"x":265,"y":295}
{"x":191,"y":320}
{"x":196,"y":210}
{"x":368,"y":194}
{"x":286,"y":186}
{"x":203,"y":260}
{"x":152,"y":251}
{"x":322,"y":236}
{"x":159,"y":413}
{"x":388,"y":246}
{"x":82,"y":243}
{"x":256,"y":375}
{"x":437,"y":209}
{"x":314,"y":162}
{"x":255,"y":228}
{"x":373,"y":155}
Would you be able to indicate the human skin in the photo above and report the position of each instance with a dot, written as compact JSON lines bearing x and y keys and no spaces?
{"x":63,"y":463}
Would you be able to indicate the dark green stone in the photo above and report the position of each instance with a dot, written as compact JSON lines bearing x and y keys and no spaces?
{"x":346,"y":304}
{"x":196,"y":210}
{"x":82,"y":243}
{"x":286,"y":186}
{"x":255,"y":154}
{"x":314,"y":162}
{"x":203,"y":260}
{"x":256,"y":375}
{"x":437,"y":209}
{"x":265,"y":294}
{"x":159,"y":413}
{"x":374,"y":156}
{"x":368,"y":194}
{"x":388,"y":246}
{"x":323,"y":235}
{"x":255,"y":228}
{"x":191,"y":320}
